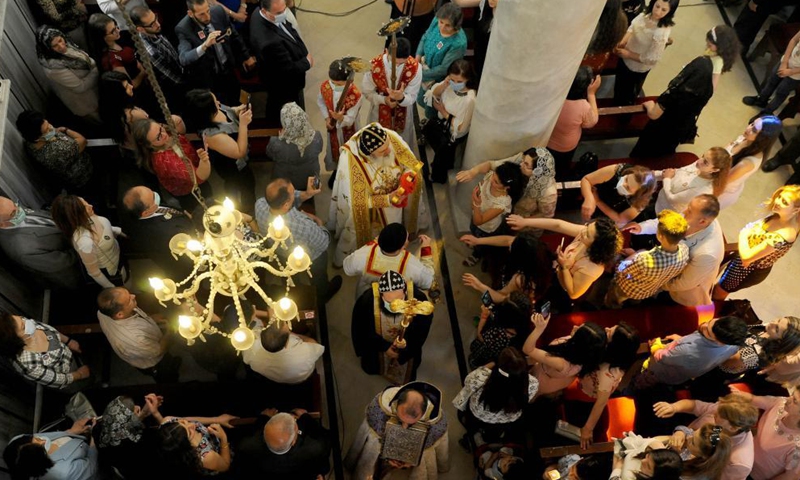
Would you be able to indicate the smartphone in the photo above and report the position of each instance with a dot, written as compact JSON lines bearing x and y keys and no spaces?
{"x":247,"y":102}
{"x":316,"y":182}
{"x":545,"y":310}
{"x":486,"y":299}
{"x":553,"y":475}
{"x":561,"y":247}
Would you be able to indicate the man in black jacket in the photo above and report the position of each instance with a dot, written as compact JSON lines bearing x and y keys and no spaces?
{"x":150,"y":226}
{"x":283,"y":58}
{"x":210,"y":49}
{"x":289,"y":446}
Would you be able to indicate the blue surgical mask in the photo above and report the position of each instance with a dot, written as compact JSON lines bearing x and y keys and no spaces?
{"x":280,"y":18}
{"x":457,"y":86}
{"x":337,"y":88}
{"x":387,"y":306}
{"x":30,"y":327}
{"x":157,"y":199}
{"x":49,"y":135}
{"x":18,"y":217}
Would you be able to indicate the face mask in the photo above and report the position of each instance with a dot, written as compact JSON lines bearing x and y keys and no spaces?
{"x":457,"y":86}
{"x":18,"y":217}
{"x":30,"y":327}
{"x":337,"y":88}
{"x":387,"y":306}
{"x":49,"y":135}
{"x":280,"y":18}
{"x":621,"y":187}
{"x":157,"y":199}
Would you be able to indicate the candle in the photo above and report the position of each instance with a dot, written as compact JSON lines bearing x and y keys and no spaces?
{"x":228,"y":204}
{"x":194,"y":246}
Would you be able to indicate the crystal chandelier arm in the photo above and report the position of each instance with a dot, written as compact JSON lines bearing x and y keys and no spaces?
{"x":210,"y":309}
{"x":195,"y":286}
{"x":262,"y":294}
{"x":197,"y":266}
{"x":242,"y":321}
{"x":288,"y":272}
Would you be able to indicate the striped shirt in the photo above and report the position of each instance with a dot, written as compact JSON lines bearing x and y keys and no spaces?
{"x":136,"y":339}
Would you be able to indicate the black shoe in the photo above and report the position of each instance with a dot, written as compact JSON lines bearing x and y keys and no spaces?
{"x":770,"y":165}
{"x":754,"y":101}
{"x":334,"y":285}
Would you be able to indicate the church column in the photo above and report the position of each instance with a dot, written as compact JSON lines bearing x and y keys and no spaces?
{"x":535,"y":49}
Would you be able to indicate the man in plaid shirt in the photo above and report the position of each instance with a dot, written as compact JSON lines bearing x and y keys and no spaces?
{"x":642,"y":274}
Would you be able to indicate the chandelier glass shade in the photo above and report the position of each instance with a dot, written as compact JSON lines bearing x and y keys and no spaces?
{"x":229,"y":263}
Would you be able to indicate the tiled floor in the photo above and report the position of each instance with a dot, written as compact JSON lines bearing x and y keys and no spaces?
{"x":723,"y":120}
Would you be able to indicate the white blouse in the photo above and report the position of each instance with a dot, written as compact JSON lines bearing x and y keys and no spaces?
{"x":459,"y":106}
{"x":648,"y":40}
{"x":98,"y":249}
{"x":678,"y":191}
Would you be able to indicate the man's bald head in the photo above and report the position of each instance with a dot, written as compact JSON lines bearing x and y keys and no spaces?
{"x":280,"y":195}
{"x":280,"y":433}
{"x":411,"y":406}
{"x":6,"y":211}
{"x":139,"y":201}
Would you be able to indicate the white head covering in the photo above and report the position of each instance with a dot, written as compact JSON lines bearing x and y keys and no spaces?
{"x":296,"y":127}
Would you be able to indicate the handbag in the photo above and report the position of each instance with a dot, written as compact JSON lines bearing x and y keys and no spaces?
{"x":79,"y":407}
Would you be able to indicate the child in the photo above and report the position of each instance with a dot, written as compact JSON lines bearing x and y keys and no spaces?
{"x":341,"y":124}
{"x":491,"y":201}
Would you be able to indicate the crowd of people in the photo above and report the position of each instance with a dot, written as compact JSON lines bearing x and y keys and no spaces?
{"x":150,"y":79}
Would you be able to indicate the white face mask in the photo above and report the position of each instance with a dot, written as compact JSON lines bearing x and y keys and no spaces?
{"x":47,"y":443}
{"x":621,"y":187}
{"x":30,"y":327}
{"x":337,"y":88}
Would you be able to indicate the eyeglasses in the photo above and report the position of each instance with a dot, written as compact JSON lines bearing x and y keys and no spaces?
{"x":148,"y":25}
{"x":113,"y":30}
{"x":161,"y":133}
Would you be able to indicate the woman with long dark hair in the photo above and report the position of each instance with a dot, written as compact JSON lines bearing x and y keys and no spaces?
{"x":584,"y":260}
{"x":104,"y":34}
{"x":558,"y":364}
{"x":492,"y":199}
{"x":641,"y":48}
{"x":498,"y":328}
{"x":64,"y":455}
{"x":620,"y":353}
{"x":217,"y":123}
{"x":527,"y":274}
{"x":620,"y":192}
{"x":779,"y":343}
{"x":747,"y":154}
{"x":195,"y":445}
{"x":673,"y":115}
{"x":494,"y":395}
{"x":93,"y":237}
{"x":645,"y":458}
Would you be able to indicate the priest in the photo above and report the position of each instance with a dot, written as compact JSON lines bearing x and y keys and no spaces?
{"x":377,"y":183}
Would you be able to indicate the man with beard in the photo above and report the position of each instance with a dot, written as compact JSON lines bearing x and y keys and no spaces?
{"x":210,"y":49}
{"x":375,"y":329}
{"x":367,"y":194}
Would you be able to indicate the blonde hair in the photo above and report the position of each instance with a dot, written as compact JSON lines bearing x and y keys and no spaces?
{"x":720,"y":159}
{"x":672,"y":225}
{"x":792,"y":190}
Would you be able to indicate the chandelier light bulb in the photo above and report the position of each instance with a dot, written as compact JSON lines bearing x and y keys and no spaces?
{"x":184,"y":321}
{"x":285,"y":303}
{"x":242,"y":338}
{"x":228,"y":204}
{"x":194,"y":245}
{"x":278,"y":223}
{"x":298,"y":253}
{"x":156,"y":283}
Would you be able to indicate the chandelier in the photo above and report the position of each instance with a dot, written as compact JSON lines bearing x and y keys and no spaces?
{"x":229,"y":263}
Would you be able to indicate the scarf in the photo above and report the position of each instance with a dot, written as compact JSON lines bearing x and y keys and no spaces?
{"x":297,"y":129}
{"x":119,"y":423}
{"x":74,"y":59}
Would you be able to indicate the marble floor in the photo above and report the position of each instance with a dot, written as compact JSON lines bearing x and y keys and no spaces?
{"x":725,"y":117}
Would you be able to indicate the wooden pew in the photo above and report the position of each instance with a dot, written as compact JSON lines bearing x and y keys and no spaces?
{"x":774,"y":42}
{"x":617,"y":122}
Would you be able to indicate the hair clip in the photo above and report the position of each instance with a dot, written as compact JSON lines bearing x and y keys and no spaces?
{"x":502,"y":372}
{"x":714,"y":34}
{"x":715,"y":435}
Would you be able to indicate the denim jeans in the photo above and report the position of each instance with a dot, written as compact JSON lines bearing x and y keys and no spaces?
{"x":781,"y":87}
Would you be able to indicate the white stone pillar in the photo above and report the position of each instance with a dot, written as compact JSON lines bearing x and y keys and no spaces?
{"x":534,"y":52}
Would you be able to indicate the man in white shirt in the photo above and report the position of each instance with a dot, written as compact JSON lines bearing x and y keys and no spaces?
{"x":135,"y":336}
{"x":706,"y":250}
{"x":283,"y":356}
{"x":389,"y":253}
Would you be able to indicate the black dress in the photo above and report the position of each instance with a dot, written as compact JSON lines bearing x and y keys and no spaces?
{"x":607,"y":191}
{"x":682,"y":103}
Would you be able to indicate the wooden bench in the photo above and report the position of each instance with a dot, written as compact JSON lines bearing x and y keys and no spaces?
{"x":617,"y":122}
